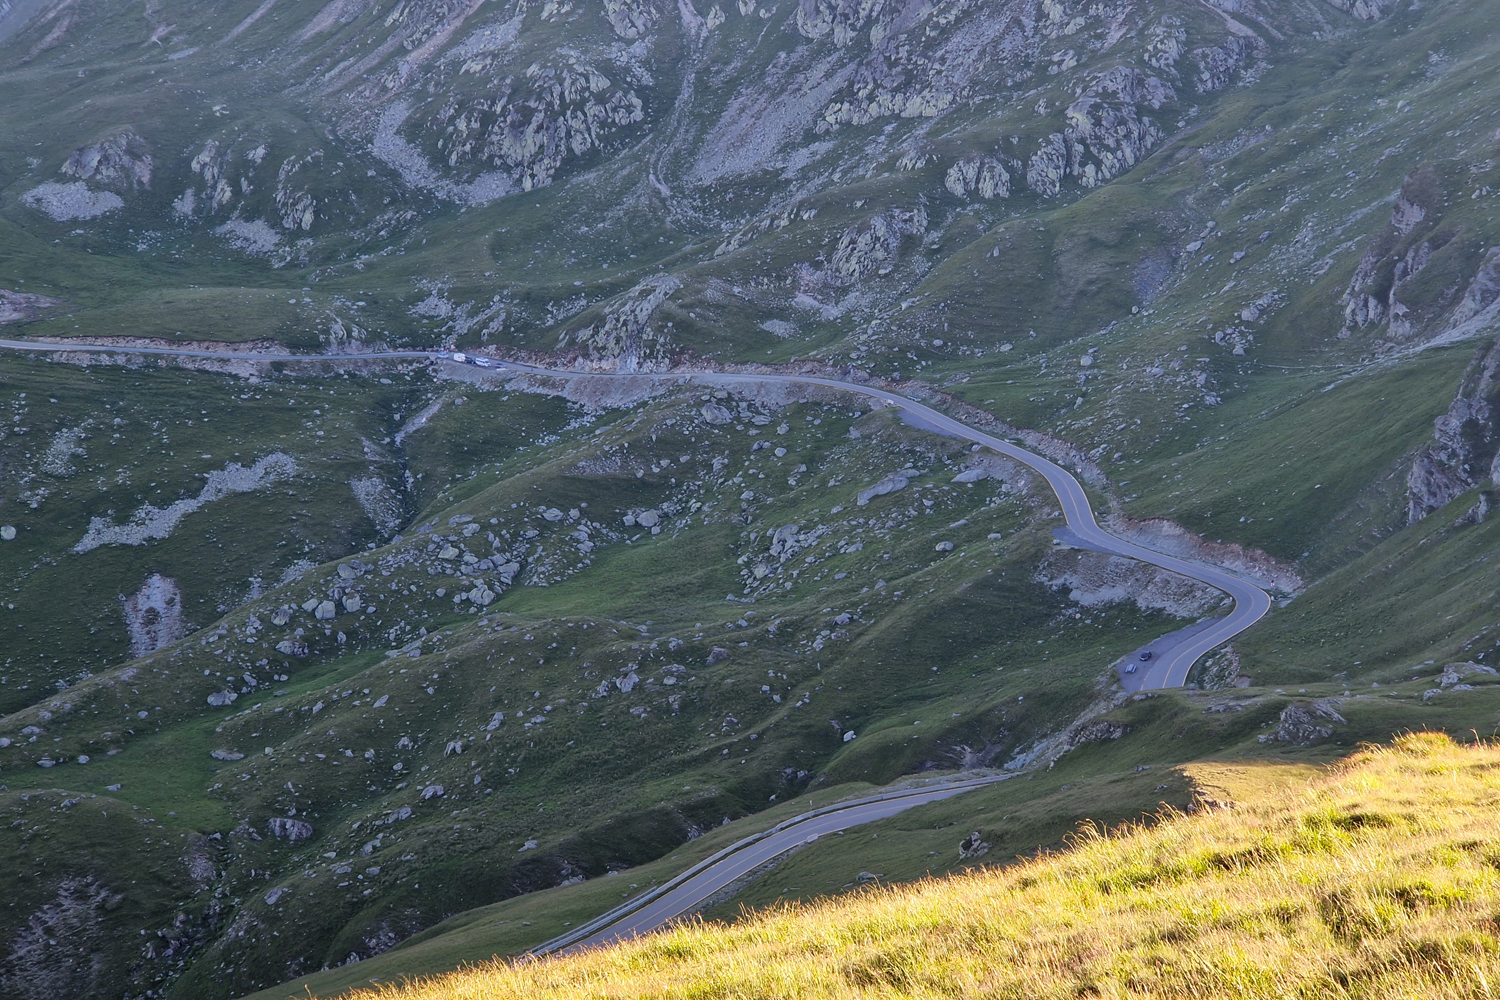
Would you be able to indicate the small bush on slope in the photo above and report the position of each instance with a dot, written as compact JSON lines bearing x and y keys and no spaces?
{"x":1379,"y":879}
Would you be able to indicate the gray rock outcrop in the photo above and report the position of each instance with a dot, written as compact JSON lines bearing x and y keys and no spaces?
{"x":626,"y":334}
{"x":1465,"y":448}
{"x":119,"y":161}
{"x":284,"y":828}
{"x":981,"y":175}
{"x":1108,"y":132}
{"x":1307,"y":722}
{"x":1454,"y":673}
{"x":1365,"y":10}
{"x":873,"y":247}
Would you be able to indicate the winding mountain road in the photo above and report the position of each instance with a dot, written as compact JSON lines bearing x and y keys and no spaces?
{"x":1171,"y":656}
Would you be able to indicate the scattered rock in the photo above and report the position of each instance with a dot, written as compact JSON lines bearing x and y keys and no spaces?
{"x":1097,"y":732}
{"x":717,"y":656}
{"x":1455,"y":672}
{"x":972,"y":846}
{"x":648,"y":518}
{"x":69,"y":202}
{"x":325,"y":611}
{"x":1202,"y":801}
{"x":848,"y":735}
{"x":974,"y":475}
{"x":943,"y":547}
{"x":291,"y":647}
{"x":530,"y":845}
{"x":219,"y":699}
{"x":432,"y":792}
{"x":274,"y":895}
{"x":156,"y":522}
{"x":226,"y":755}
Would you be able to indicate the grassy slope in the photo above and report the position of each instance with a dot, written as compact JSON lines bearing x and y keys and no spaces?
{"x":1375,"y":879}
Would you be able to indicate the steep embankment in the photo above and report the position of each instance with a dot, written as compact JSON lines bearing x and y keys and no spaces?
{"x":1377,"y":879}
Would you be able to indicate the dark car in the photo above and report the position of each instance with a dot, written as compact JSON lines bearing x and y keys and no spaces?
{"x":1146,"y":656}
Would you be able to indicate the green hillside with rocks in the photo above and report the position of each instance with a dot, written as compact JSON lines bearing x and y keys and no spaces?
{"x":345,"y":667}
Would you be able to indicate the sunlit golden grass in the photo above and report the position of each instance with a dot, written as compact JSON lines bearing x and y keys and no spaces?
{"x":1378,"y":879}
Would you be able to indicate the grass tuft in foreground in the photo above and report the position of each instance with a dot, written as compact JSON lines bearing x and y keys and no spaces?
{"x":1380,"y":878}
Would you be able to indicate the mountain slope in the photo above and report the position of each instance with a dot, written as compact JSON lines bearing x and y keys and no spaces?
{"x":1233,"y":261}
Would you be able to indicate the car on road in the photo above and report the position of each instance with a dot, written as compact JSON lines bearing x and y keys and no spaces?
{"x":1130,"y":668}
{"x":1146,"y":656}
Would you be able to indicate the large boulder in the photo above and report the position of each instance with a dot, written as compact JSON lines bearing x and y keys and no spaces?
{"x":293,"y":830}
{"x":972,"y":846}
{"x":890,"y":484}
